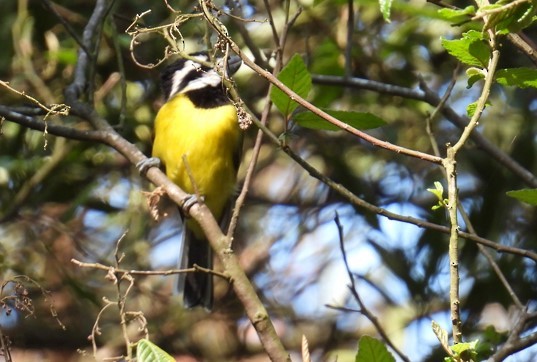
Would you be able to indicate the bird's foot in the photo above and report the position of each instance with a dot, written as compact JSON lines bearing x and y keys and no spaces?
{"x":189,"y":201}
{"x":144,"y":165}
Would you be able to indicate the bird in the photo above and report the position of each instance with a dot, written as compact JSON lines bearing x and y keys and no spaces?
{"x":198,"y":142}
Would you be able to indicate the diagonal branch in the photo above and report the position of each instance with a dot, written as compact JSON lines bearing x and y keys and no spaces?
{"x":354,"y":291}
{"x":425,"y":94}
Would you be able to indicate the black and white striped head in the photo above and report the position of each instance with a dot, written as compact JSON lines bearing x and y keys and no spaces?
{"x":202,"y":84}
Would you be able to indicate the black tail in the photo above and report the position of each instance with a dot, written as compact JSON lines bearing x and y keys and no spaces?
{"x":196,"y":288}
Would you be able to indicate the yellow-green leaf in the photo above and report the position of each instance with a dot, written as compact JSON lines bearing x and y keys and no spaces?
{"x":528,"y":196}
{"x":147,"y":351}
{"x":372,"y":350}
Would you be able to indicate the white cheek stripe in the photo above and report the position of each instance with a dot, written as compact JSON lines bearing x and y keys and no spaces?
{"x":207,"y":78}
{"x":210,"y":78}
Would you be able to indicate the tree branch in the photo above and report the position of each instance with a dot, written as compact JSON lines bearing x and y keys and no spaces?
{"x":425,"y":94}
{"x":354,"y":291}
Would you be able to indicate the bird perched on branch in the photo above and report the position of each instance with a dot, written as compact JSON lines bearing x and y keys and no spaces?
{"x":198,"y":141}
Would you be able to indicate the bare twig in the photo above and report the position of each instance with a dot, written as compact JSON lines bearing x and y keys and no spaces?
{"x":425,"y":94}
{"x":115,"y":270}
{"x":169,"y":31}
{"x":525,"y":44}
{"x":451,"y":172}
{"x":52,"y":109}
{"x":244,"y":290}
{"x":52,"y":8}
{"x":354,"y":291}
{"x":112,"y":139}
{"x":350,"y":33}
{"x":271,"y":78}
{"x":84,"y":59}
{"x":515,"y":341}
{"x":21,"y":300}
{"x":264,"y":119}
{"x":461,"y":210}
{"x":268,"y":9}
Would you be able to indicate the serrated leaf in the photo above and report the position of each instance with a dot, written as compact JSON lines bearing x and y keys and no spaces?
{"x":372,"y":350}
{"x":510,"y":19}
{"x":386,"y":9}
{"x":456,"y":15}
{"x":471,"y":49}
{"x":517,"y":77}
{"x":528,"y":196}
{"x":358,"y":120}
{"x":295,"y":76}
{"x":470,"y":109}
{"x":147,"y":351}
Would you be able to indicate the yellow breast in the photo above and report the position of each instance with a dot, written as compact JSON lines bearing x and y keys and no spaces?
{"x":208,"y":138}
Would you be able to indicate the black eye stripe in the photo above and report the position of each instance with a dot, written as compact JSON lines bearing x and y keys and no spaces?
{"x":201,"y":84}
{"x":192,"y":75}
{"x":167,"y":76}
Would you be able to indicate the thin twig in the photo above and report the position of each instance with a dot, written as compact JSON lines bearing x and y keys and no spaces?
{"x":268,"y":9}
{"x":96,"y":330}
{"x":451,"y":171}
{"x":354,"y":291}
{"x":463,"y":213}
{"x":525,"y":44}
{"x":425,"y":94}
{"x":350,"y":33}
{"x":52,"y":8}
{"x":344,"y":126}
{"x":53,"y":109}
{"x":264,"y":118}
{"x":244,"y":290}
{"x":111,"y":138}
{"x":109,"y":269}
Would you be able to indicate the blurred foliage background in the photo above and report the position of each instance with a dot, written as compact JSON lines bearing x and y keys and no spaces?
{"x":62,"y":199}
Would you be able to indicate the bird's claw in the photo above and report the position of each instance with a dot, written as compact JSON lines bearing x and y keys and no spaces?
{"x":189,"y":201}
{"x":144,"y":165}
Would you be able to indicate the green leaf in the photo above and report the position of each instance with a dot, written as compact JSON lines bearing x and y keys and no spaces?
{"x":471,"y":49}
{"x":64,"y":56}
{"x":517,"y":77}
{"x":474,"y":74}
{"x":457,"y":15}
{"x":295,"y":76}
{"x":372,"y":350}
{"x":147,"y":351}
{"x":528,"y":196}
{"x":385,"y":9}
{"x":470,"y":109}
{"x":358,"y":120}
{"x":438,"y":191}
{"x":466,"y":350}
{"x":510,"y":19}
